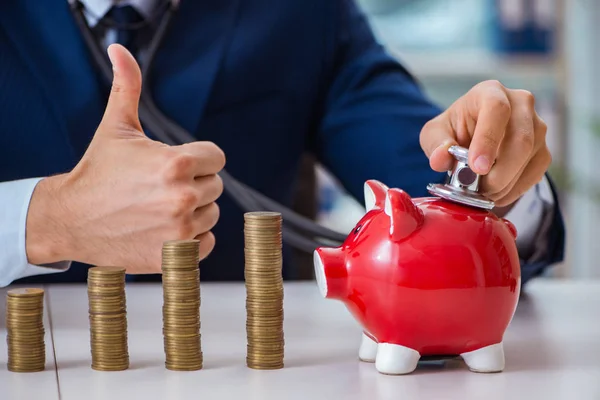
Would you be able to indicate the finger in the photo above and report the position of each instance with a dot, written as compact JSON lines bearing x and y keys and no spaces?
{"x":539,"y":128}
{"x":205,"y":218}
{"x":436,"y":137}
{"x":123,"y":102}
{"x":209,"y":189}
{"x":516,"y":150}
{"x":207,"y":244}
{"x":208,"y":158}
{"x":533,"y":174}
{"x":508,"y":188}
{"x":492,"y":110}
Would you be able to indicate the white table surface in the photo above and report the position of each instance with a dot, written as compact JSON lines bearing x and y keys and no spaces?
{"x":552,"y":352}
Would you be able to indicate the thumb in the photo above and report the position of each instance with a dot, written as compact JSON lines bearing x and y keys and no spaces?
{"x":123,"y":102}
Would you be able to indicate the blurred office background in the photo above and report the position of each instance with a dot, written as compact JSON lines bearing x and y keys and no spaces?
{"x":550,"y":47}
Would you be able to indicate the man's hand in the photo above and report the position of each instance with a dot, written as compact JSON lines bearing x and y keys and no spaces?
{"x":128,"y":194}
{"x":505,"y":136}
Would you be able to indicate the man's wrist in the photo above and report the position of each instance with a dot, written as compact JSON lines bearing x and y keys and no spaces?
{"x":47,"y":232}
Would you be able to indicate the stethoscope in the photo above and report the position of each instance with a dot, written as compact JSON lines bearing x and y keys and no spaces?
{"x":298,"y":231}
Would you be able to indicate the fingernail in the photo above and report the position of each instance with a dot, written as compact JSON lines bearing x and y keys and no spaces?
{"x":482,"y":164}
{"x":110,"y":53}
{"x":446,"y":144}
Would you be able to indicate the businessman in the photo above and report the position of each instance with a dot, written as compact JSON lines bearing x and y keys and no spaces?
{"x":258,"y":83}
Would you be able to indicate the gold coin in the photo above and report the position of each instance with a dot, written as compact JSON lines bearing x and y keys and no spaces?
{"x":181,"y":305}
{"x":264,"y":290}
{"x":263,"y":366}
{"x":108,"y":318}
{"x":177,"y":367}
{"x":262,"y":215}
{"x":106,"y":270}
{"x":25,"y":292}
{"x":25,"y":331}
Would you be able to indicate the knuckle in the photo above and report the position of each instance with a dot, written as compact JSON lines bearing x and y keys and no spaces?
{"x":500,"y":103}
{"x":183,"y":203}
{"x":525,"y":139}
{"x":494,"y":83}
{"x":185,"y":229}
{"x":181,"y":163}
{"x":526,"y":97}
{"x":492,"y":86}
{"x":177,"y":167}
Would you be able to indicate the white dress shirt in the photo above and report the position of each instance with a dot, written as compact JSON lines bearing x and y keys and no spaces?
{"x":15,"y":196}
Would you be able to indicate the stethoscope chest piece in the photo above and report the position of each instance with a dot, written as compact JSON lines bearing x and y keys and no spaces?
{"x":462,"y":183}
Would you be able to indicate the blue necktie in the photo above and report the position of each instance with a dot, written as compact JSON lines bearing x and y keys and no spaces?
{"x":128,"y":28}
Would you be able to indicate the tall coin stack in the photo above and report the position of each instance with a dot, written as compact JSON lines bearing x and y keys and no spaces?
{"x":108,"y":318}
{"x":181,"y":305}
{"x":25,"y":328}
{"x":264,"y":290}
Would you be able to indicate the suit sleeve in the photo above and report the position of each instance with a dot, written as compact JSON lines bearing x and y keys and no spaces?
{"x":14,"y":205}
{"x":374,"y":111}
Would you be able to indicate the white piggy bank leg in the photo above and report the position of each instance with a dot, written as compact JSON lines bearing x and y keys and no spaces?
{"x":394,"y":359}
{"x":368,"y":349}
{"x":486,"y":359}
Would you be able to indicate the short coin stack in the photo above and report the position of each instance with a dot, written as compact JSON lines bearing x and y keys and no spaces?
{"x":108,"y":318}
{"x":181,"y":305}
{"x":264,"y":290}
{"x":25,"y":328}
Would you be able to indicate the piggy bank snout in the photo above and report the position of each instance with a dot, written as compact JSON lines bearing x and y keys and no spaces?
{"x":330,"y":271}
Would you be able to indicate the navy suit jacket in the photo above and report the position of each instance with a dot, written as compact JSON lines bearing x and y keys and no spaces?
{"x":265,"y":80}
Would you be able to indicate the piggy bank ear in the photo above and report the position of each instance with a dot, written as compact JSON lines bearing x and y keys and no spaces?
{"x":375,"y":192}
{"x":405,"y":216}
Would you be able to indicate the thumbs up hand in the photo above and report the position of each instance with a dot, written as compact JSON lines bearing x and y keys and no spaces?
{"x":128,"y":194}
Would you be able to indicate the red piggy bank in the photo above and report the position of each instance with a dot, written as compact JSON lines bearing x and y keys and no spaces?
{"x":425,"y":277}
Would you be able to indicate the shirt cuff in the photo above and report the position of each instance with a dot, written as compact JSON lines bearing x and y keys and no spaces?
{"x":15,"y":197}
{"x":528,"y":213}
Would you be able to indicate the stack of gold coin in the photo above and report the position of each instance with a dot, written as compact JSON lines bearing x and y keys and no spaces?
{"x":25,"y":330}
{"x":264,"y":290}
{"x":181,"y":305}
{"x":108,"y":318}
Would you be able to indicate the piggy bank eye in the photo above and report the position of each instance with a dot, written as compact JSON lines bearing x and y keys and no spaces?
{"x":357,"y":229}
